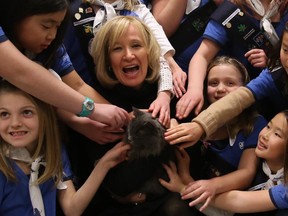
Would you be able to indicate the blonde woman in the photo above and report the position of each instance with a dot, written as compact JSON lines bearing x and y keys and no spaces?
{"x":127,"y":57}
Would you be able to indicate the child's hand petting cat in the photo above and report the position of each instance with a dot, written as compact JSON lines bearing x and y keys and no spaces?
{"x":114,"y":156}
{"x":161,"y":107}
{"x":183,"y":165}
{"x":175,"y":183}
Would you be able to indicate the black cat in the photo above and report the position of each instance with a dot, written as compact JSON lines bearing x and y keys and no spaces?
{"x":149,"y":150}
{"x":145,"y":135}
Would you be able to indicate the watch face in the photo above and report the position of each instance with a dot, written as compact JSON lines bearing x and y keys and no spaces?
{"x":90,"y":105}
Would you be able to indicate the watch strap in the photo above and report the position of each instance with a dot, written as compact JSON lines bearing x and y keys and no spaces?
{"x":85,"y":111}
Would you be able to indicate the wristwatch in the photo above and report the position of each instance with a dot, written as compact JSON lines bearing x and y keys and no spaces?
{"x":87,"y":107}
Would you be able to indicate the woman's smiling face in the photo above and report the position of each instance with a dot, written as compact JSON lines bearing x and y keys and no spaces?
{"x":129,"y":58}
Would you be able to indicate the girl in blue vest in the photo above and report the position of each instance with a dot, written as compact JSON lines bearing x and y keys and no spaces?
{"x":228,"y":158}
{"x":243,"y":40}
{"x":34,"y":167}
{"x":272,"y":148}
{"x":271,"y":83}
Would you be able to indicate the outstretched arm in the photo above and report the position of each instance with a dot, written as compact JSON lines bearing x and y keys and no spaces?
{"x":193,"y":98}
{"x":74,"y":203}
{"x":36,"y":80}
{"x":39,"y":82}
{"x":209,"y":120}
{"x":203,"y":191}
{"x":244,"y":201}
{"x":169,"y":14}
{"x":161,"y":105}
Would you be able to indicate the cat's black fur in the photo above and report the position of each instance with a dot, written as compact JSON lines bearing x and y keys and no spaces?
{"x":149,"y":150}
{"x":145,"y":135}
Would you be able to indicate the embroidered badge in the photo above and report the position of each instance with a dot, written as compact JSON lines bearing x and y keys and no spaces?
{"x":77,"y":16}
{"x":88,"y":29}
{"x":242,"y":28}
{"x":228,"y":25}
{"x":198,"y":25}
{"x":88,"y":10}
{"x":259,"y":39}
{"x":241,"y":145}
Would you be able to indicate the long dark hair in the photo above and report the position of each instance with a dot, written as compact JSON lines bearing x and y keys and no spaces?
{"x":14,"y":11}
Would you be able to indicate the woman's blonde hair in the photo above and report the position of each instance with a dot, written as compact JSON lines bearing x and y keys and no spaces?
{"x":48,"y":143}
{"x":106,"y":38}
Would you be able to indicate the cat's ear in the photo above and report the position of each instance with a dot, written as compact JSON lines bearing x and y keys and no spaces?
{"x":137,"y":112}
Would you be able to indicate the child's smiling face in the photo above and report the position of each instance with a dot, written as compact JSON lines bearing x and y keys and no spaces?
{"x":19,"y":121}
{"x":221,"y":80}
{"x":273,"y":140}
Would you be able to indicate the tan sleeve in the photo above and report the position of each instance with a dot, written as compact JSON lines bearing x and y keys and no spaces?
{"x":228,"y":107}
